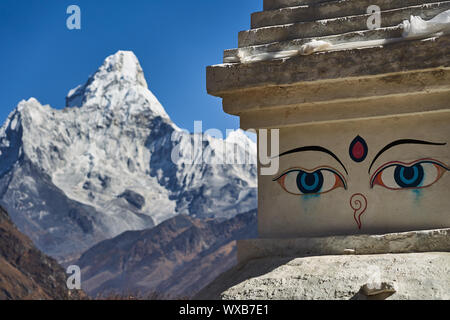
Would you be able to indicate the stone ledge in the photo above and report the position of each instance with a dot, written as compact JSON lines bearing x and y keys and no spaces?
{"x":397,"y":57}
{"x":412,"y":276}
{"x":338,"y":25}
{"x":259,"y":52}
{"x":321,"y":93}
{"x":278,"y":4}
{"x":406,"y":242}
{"x":426,"y":104}
{"x":325,"y":10}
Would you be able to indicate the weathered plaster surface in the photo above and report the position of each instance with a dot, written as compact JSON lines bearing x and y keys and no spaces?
{"x":395,"y":243}
{"x":413,"y":276}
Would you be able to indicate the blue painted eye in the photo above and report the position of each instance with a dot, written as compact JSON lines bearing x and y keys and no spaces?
{"x":420,"y":174}
{"x":310,"y":183}
{"x":409,"y":177}
{"x":302,"y":182}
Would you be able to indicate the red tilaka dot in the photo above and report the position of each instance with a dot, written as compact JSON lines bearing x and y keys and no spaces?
{"x":358,"y":150}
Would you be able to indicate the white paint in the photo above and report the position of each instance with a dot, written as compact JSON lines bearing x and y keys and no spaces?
{"x":419,"y":28}
{"x":314,"y":46}
{"x":416,"y":28}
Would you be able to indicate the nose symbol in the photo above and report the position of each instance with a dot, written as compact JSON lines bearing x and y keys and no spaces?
{"x":358,"y":202}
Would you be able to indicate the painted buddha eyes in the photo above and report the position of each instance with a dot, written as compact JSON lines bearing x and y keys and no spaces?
{"x":398,"y":176}
{"x":299,"y":181}
{"x":393,"y":176}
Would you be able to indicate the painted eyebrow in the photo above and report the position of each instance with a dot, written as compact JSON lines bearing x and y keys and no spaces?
{"x":400,"y":142}
{"x":315,"y":148}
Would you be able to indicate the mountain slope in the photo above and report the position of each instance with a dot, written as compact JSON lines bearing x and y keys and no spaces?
{"x":113,"y":161}
{"x":177,"y":258}
{"x":25,"y":273}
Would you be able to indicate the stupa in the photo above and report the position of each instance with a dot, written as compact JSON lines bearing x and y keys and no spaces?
{"x":351,"y":103}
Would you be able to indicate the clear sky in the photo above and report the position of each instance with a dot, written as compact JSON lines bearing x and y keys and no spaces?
{"x":174,"y":40}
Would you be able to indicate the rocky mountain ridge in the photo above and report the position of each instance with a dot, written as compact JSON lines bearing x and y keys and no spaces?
{"x":26,"y":273}
{"x":113,"y":161}
{"x":176,"y":259}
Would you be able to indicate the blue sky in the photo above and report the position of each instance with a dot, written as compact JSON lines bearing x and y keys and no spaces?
{"x":174,"y":40}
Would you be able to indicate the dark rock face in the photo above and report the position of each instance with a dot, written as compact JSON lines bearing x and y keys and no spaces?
{"x":177,"y":258}
{"x":25,"y":272}
{"x":133,"y":198}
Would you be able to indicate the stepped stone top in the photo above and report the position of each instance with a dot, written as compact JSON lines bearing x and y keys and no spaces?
{"x":306,"y":43}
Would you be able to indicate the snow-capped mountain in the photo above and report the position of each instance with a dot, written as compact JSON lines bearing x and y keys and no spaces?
{"x":113,"y":161}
